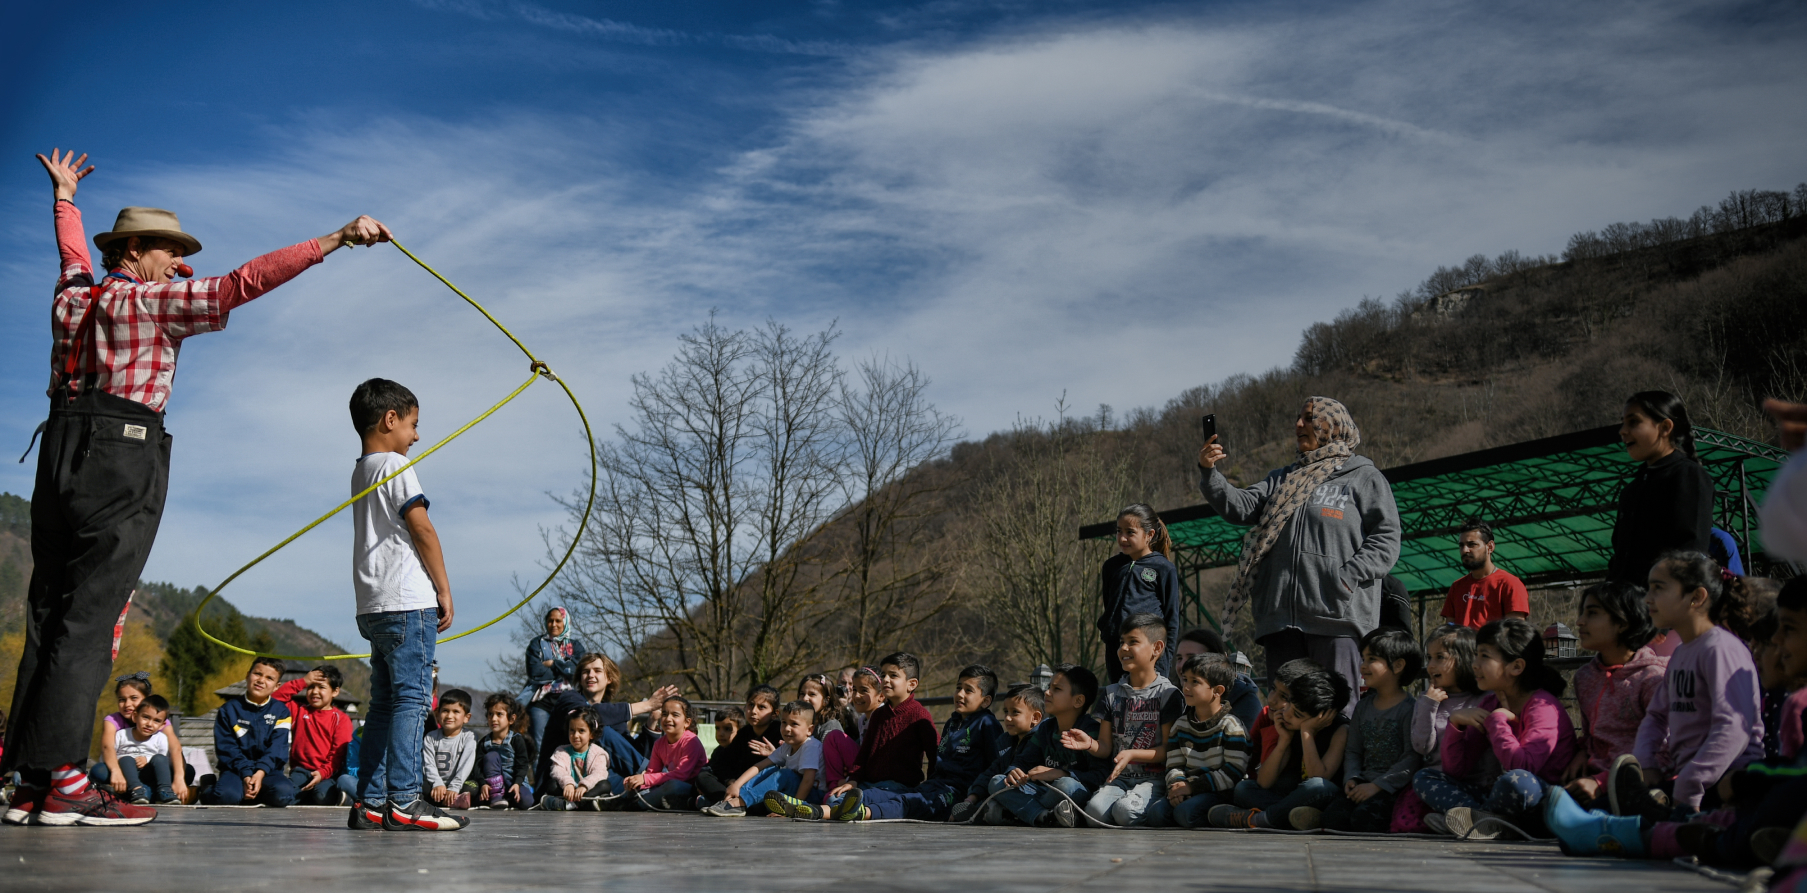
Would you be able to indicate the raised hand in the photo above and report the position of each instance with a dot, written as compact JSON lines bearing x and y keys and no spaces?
{"x":66,"y":171}
{"x":1210,"y":454}
{"x":362,"y":231}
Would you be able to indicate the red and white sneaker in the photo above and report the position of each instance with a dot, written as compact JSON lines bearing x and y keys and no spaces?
{"x":23,"y":808}
{"x":97,"y":806}
{"x":421,"y":816}
{"x":366,"y":818}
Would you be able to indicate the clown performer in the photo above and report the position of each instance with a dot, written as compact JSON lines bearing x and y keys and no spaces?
{"x":103,"y":472}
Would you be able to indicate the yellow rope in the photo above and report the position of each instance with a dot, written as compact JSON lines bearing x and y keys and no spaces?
{"x":536,"y":369}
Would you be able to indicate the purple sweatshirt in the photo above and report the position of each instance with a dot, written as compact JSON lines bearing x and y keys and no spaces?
{"x":1709,"y":720}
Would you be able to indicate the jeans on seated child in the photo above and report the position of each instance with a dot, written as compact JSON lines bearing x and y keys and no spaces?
{"x":930,"y":801}
{"x":1190,"y":813}
{"x":1029,"y":800}
{"x":1516,"y":796}
{"x":277,"y":791}
{"x":326,"y":793}
{"x":773,"y":778}
{"x":672,"y":794}
{"x":1125,"y":801}
{"x":1278,"y":802}
{"x":156,"y":772}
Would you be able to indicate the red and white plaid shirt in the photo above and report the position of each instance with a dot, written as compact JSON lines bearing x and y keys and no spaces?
{"x":139,"y":326}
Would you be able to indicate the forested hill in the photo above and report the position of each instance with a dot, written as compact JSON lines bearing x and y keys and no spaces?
{"x":974,"y":555}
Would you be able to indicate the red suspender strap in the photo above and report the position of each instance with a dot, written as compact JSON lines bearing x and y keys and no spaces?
{"x":82,"y":330}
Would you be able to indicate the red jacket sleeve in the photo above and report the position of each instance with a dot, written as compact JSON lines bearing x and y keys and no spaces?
{"x":72,"y":247}
{"x":260,"y":274}
{"x":288,"y":690}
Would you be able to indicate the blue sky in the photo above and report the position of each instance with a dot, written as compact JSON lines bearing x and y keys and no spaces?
{"x":1112,"y":200}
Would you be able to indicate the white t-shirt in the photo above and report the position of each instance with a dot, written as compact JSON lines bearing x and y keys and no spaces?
{"x":809,"y":756}
{"x":127,"y":745}
{"x":386,"y":571}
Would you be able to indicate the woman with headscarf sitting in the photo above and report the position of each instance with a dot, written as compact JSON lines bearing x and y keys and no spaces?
{"x":1324,"y":533}
{"x":551,"y":668}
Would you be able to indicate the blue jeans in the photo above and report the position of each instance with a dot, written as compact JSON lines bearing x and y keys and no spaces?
{"x":229,"y":790}
{"x":1029,"y":800}
{"x":769,"y":779}
{"x":326,"y":793}
{"x":1125,"y":802}
{"x":153,"y":782}
{"x":1516,"y":796}
{"x":1278,"y":802}
{"x":672,"y":794}
{"x":930,"y":801}
{"x":401,"y":682}
{"x":1190,"y":813}
{"x":537,"y":719}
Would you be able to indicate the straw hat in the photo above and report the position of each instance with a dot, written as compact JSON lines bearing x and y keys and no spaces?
{"x":149,"y":222}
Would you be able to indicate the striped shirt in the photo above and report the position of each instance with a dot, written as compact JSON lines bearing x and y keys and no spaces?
{"x":1208,"y":755}
{"x":139,"y":326}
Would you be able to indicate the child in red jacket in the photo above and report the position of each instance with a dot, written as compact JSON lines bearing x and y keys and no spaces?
{"x":322,"y":738}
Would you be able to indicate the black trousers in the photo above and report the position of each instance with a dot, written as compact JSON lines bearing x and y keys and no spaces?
{"x":1339,"y":654}
{"x":103,"y":474}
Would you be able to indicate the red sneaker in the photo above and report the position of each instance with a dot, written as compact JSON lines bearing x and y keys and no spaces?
{"x":421,"y":816}
{"x":25,"y":804}
{"x":97,"y":806}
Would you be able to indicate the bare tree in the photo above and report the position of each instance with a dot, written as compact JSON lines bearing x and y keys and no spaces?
{"x":891,"y":584}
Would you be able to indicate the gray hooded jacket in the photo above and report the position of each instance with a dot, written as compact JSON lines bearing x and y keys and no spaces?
{"x":1323,"y":576}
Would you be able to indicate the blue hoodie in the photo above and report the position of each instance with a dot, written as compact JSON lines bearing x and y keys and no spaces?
{"x":969,"y":742}
{"x":247,"y":737}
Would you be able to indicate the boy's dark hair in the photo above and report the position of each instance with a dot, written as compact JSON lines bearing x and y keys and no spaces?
{"x":1477,"y":525}
{"x":1624,"y":603}
{"x":1517,"y":639}
{"x":1397,"y":645}
{"x":375,"y":398}
{"x":1694,"y":570}
{"x":1147,"y":622}
{"x":1764,"y":630}
{"x":799,"y":706}
{"x":903,"y":660}
{"x":1084,"y":682}
{"x":334,"y":678}
{"x":155,"y":702}
{"x":264,"y":660}
{"x":1215,"y":669}
{"x":1458,"y":640}
{"x":1314,"y":689}
{"x":689,"y":711}
{"x":1746,"y":601}
{"x":1793,"y":596}
{"x":589,"y":717}
{"x":508,"y":704}
{"x":988,"y":681}
{"x":1029,"y":695}
{"x":764,"y":693}
{"x":456,"y":696}
{"x":1207,"y":637}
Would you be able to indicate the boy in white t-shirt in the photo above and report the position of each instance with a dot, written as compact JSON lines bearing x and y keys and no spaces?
{"x":143,"y":752}
{"x":793,"y":767}
{"x":404,"y":601}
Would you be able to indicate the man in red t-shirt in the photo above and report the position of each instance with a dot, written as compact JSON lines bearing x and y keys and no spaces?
{"x":1485,"y":593}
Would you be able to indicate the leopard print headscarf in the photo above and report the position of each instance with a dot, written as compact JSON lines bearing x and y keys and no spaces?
{"x":1338,"y":436}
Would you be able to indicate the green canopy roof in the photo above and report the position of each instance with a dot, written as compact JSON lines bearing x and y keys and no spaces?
{"x":1552,"y":503}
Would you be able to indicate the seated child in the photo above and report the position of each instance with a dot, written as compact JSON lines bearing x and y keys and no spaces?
{"x":1047,"y":777}
{"x":728,"y":725}
{"x":1134,"y":715}
{"x":740,"y":752}
{"x":820,"y":693}
{"x":899,"y":738}
{"x":968,"y":743}
{"x":141,"y":751}
{"x":450,"y":753}
{"x":1299,"y":777}
{"x":841,"y":748}
{"x":1022,"y":713}
{"x":1520,"y":723}
{"x":132,"y":690}
{"x":1616,"y":689}
{"x":1208,"y":750}
{"x":504,"y":757}
{"x":321,"y":738}
{"x":677,"y":759}
{"x":1243,"y":695}
{"x":1451,"y":687}
{"x":251,"y":742}
{"x":580,"y":769}
{"x":1379,"y":760}
{"x":794,"y":768}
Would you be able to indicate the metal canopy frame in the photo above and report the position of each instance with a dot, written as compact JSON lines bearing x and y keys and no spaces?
{"x":1552,"y":503}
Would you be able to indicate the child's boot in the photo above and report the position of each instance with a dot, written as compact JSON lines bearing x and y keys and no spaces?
{"x":1585,"y":832}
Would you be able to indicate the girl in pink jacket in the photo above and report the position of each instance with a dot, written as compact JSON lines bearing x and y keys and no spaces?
{"x":1501,"y":755}
{"x":1614,"y":690}
{"x":677,"y":759}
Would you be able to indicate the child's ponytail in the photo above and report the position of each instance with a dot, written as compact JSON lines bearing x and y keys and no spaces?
{"x":1662,"y":406}
{"x":1145,"y":515}
{"x":1516,"y":639}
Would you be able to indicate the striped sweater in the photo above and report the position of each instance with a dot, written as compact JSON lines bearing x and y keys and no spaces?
{"x":1208,"y":755}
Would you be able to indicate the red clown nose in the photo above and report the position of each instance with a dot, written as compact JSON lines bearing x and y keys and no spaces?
{"x":184,"y":270}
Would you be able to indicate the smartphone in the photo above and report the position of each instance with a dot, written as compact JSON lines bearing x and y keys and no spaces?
{"x":1210,"y":427}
